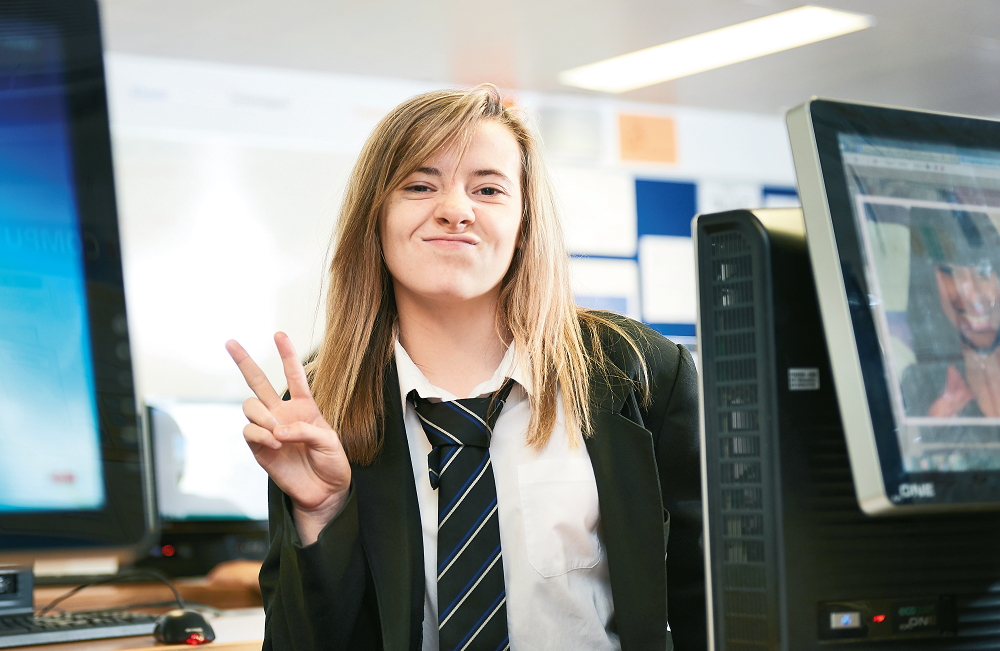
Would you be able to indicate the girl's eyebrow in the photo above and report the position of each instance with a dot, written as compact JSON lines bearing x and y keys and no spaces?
{"x":492,"y":173}
{"x":433,"y":171}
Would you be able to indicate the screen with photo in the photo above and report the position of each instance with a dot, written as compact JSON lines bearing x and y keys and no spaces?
{"x":929,"y":218}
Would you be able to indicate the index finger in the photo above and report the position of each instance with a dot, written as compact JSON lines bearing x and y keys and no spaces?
{"x":254,"y":377}
{"x":295,"y":373}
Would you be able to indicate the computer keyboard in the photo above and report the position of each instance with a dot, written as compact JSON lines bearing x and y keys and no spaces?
{"x":24,"y":630}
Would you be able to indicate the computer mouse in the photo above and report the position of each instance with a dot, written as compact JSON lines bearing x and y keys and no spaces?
{"x":183,"y":627}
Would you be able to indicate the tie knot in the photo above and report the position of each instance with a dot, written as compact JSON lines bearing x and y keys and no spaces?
{"x":466,"y":422}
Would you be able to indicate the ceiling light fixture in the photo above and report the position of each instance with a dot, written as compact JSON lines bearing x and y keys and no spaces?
{"x":715,"y":49}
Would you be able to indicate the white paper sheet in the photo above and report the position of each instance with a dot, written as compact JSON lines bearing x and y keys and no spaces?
{"x":669,"y":289}
{"x":606,"y":284}
{"x":598,"y":210}
{"x":719,"y":196}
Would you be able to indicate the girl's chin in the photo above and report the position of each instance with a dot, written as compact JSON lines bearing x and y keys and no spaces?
{"x":980,"y":338}
{"x":453,"y":295}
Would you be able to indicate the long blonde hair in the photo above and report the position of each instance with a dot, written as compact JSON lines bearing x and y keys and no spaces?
{"x":535,"y":301}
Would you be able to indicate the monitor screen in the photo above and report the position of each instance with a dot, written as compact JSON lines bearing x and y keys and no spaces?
{"x":46,"y":369}
{"x":928,"y":217}
{"x":74,"y":474}
{"x":211,"y":492}
{"x":204,"y":470}
{"x":903,"y":224}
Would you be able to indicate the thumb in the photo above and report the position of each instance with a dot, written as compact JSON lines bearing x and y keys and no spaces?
{"x":955,"y":386}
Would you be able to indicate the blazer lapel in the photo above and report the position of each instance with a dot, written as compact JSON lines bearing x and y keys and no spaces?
{"x":628,"y":487}
{"x":389,"y":520}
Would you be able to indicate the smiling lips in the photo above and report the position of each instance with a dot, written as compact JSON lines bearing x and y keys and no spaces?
{"x":976,"y":318}
{"x":452,"y":241}
{"x":978,"y":322}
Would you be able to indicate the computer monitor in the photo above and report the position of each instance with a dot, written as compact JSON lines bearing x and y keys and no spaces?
{"x":212,"y":493}
{"x":74,"y":477}
{"x":902,"y":213}
{"x":792,"y":562}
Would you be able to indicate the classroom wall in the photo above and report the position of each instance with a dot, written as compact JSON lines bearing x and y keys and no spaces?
{"x":229,"y":179}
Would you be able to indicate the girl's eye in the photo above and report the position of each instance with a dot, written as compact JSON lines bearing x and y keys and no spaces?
{"x":419,"y":187}
{"x":488,"y":191}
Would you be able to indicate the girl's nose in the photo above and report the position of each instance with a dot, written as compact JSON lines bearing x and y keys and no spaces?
{"x":455,"y":208}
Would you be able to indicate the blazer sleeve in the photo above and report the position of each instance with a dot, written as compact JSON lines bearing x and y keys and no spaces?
{"x":672,"y":417}
{"x":317,"y":596}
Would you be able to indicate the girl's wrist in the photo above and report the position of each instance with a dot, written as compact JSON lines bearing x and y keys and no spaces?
{"x":311,"y":522}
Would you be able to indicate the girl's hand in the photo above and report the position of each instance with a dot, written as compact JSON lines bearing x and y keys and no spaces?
{"x":293,"y":442}
{"x":956,"y":395}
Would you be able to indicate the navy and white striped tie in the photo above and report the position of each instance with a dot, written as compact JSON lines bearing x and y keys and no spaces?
{"x":472,"y":600}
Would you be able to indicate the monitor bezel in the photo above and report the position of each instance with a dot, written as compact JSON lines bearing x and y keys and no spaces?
{"x":127,"y":522}
{"x":837,"y":255}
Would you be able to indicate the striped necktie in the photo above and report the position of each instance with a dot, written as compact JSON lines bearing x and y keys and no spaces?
{"x":472,"y":600}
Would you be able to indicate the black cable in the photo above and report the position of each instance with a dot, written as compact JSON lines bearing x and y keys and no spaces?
{"x":121,"y":576}
{"x":191,"y":605}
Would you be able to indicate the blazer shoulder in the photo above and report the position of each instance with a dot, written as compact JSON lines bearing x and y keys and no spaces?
{"x":624,"y":341}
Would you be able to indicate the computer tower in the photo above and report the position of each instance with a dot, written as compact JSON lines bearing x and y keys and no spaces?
{"x":792,"y":562}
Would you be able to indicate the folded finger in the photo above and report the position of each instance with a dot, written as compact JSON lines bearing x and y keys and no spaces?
{"x":257,"y":435}
{"x":258,"y":414}
{"x":295,"y":374}
{"x":315,"y":437}
{"x":254,"y":377}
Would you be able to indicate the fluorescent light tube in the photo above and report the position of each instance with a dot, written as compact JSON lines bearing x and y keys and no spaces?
{"x":720,"y":47}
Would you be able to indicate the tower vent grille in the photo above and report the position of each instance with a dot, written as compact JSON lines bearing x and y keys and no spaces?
{"x":733,"y":430}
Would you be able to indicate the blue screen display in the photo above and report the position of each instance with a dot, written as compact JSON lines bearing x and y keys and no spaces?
{"x":49,"y":434}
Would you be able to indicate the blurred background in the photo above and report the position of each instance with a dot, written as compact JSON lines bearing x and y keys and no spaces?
{"x":235,"y":124}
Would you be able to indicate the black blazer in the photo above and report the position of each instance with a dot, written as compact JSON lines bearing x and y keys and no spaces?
{"x":361,"y":585}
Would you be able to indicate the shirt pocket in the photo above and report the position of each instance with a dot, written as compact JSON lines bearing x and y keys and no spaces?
{"x":560,"y":508}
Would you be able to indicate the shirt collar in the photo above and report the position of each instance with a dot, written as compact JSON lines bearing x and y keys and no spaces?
{"x":411,"y":377}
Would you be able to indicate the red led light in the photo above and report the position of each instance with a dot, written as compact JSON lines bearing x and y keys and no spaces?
{"x":168,"y":550}
{"x":195,"y":638}
{"x":878,"y":618}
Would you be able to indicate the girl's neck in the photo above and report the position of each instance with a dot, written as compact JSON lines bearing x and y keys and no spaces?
{"x":456,"y":345}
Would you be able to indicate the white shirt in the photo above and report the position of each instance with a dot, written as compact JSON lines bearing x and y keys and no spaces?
{"x":554,"y":565}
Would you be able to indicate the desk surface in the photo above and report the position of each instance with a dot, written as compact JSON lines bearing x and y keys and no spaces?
{"x":239,"y":627}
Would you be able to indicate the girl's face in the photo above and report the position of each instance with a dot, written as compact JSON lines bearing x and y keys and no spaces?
{"x":970,"y":298}
{"x":450,"y":229}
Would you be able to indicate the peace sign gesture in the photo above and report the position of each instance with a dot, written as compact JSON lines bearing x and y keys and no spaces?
{"x":293,"y":442}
